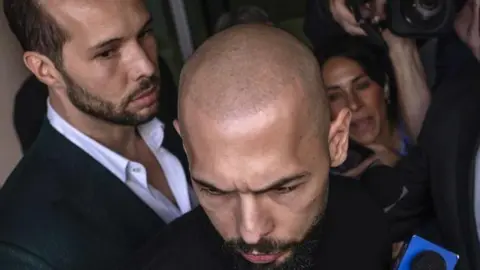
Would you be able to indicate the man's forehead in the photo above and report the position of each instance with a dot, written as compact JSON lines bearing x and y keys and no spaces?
{"x":74,"y":9}
{"x":97,"y":17}
{"x":239,"y":124}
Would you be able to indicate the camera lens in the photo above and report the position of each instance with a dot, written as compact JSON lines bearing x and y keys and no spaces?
{"x":428,"y":4}
{"x":423,"y":14}
{"x":428,"y":8}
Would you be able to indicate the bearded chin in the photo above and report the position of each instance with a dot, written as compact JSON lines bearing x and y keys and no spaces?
{"x":101,"y":109}
{"x":301,"y":257}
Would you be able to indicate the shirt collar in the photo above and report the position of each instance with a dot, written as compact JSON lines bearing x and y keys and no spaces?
{"x":152,"y":132}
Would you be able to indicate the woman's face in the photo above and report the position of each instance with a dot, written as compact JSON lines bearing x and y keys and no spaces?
{"x":348,"y":86}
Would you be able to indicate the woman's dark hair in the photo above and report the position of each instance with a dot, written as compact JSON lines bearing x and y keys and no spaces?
{"x":242,"y":15}
{"x":373,"y":59}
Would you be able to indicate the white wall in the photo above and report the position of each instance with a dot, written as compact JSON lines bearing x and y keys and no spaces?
{"x":12,"y":74}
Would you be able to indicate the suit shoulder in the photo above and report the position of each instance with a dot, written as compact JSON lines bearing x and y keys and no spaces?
{"x":28,"y":194}
{"x":183,"y":230}
{"x":350,"y":195}
{"x":358,"y":221}
{"x":190,"y":236}
{"x":345,"y":186}
{"x":33,"y":177}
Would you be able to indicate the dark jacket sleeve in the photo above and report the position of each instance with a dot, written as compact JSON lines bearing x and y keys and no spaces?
{"x":29,"y":111}
{"x":319,"y":25}
{"x":16,"y":258}
{"x":403,"y":192}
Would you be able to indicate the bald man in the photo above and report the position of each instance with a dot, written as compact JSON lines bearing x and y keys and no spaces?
{"x":254,"y":120}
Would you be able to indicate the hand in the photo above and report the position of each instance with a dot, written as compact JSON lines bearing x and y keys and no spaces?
{"x":357,"y":171}
{"x":385,"y":155}
{"x":467,"y":26}
{"x":343,"y":16}
{"x":398,"y":44}
{"x":396,"y":249}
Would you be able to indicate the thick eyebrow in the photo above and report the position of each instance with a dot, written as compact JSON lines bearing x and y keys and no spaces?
{"x":106,"y":43}
{"x":206,"y":184}
{"x":282,"y":182}
{"x":275,"y":185}
{"x":335,"y":87}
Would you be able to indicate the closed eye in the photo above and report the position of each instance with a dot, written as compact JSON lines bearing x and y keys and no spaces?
{"x":286,"y":189}
{"x":106,"y":54}
{"x":363,"y":85}
{"x":212,"y":191}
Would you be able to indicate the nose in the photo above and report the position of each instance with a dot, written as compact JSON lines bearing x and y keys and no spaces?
{"x":141,"y":64}
{"x":255,"y":222}
{"x":354,"y":102}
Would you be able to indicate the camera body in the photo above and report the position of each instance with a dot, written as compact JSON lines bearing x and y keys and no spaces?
{"x":420,"y":18}
{"x":410,"y":18}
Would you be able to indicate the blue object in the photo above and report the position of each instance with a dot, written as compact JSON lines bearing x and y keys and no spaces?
{"x":418,"y":245}
{"x":406,"y":140}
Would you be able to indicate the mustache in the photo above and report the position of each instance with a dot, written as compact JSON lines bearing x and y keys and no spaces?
{"x":144,"y":85}
{"x":264,"y":246}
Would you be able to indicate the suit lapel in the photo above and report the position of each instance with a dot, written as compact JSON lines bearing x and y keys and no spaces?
{"x":101,"y":200}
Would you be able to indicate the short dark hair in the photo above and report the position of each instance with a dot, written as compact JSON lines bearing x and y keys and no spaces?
{"x":242,"y":15}
{"x":35,"y":29}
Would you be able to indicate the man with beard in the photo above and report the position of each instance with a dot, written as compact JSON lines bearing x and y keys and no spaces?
{"x":256,"y":127}
{"x":99,"y":180}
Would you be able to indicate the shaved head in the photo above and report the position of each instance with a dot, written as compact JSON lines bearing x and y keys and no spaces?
{"x":241,"y":71}
{"x":255,"y":123}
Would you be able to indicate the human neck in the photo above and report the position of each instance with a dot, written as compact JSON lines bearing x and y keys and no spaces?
{"x":390,"y":137}
{"x":120,"y":139}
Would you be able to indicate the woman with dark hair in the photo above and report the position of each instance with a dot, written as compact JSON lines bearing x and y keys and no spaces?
{"x":361,"y":77}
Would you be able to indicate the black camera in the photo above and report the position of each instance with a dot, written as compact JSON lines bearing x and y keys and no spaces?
{"x":420,"y":18}
{"x":409,"y":18}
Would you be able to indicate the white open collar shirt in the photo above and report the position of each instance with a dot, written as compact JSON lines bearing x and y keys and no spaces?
{"x":134,"y":174}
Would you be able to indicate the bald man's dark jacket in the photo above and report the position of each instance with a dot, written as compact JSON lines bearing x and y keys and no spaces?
{"x":61,"y":209}
{"x":354,"y":236}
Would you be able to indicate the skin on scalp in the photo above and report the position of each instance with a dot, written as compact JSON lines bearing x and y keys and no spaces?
{"x":253,"y":112}
{"x":249,"y":66}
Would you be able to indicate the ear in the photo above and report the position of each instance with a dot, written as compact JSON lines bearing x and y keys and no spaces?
{"x":176,"y":124}
{"x":44,"y":69}
{"x":338,"y":137}
{"x":177,"y":127}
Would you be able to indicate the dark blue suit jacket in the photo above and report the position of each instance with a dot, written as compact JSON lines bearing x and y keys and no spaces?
{"x":61,"y":209}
